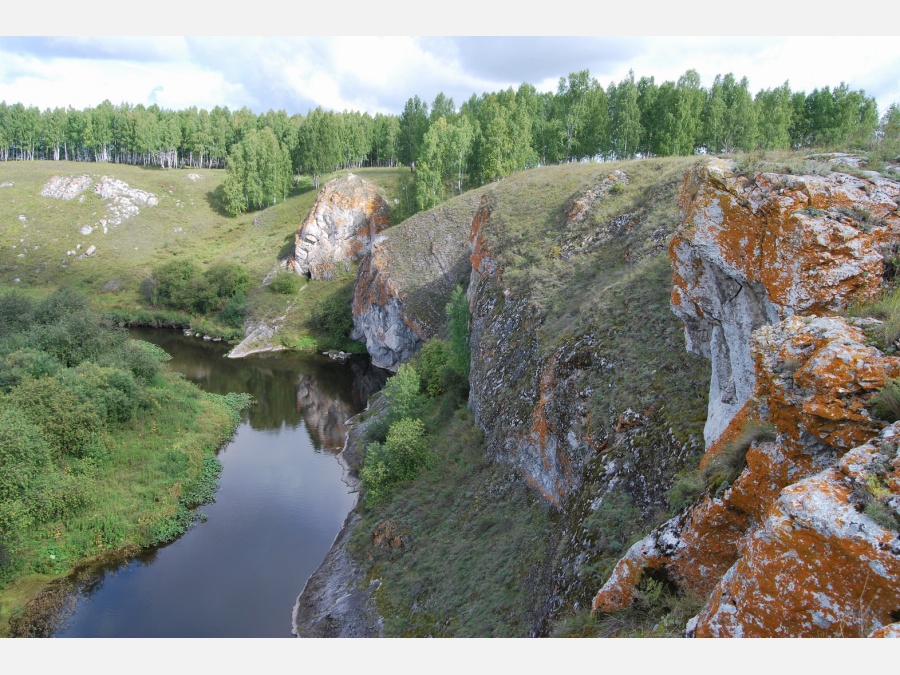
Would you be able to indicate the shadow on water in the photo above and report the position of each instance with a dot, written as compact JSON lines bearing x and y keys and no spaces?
{"x":280,"y":503}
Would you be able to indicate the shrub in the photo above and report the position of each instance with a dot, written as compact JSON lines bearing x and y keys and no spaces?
{"x":886,"y":402}
{"x":332,"y":316}
{"x":23,"y":363}
{"x":403,"y":396}
{"x":431,"y":360}
{"x":15,"y":312}
{"x":285,"y":283}
{"x":227,"y":279}
{"x":459,"y":355}
{"x":400,"y":458}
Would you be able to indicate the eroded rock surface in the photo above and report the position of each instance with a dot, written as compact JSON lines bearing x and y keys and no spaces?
{"x":791,"y":547}
{"x":347,"y":216}
{"x":403,"y":286}
{"x":755,"y":250}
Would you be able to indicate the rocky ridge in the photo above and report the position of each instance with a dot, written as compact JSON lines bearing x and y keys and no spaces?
{"x":403,"y":285}
{"x":787,"y":548}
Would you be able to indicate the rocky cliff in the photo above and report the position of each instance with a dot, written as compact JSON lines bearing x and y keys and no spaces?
{"x":793,"y":546}
{"x":347,"y":216}
{"x":405,"y":282}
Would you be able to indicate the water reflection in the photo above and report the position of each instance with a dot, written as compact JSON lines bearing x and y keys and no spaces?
{"x":280,"y":503}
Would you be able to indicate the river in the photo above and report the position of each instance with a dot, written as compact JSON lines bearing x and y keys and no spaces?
{"x":281,"y":501}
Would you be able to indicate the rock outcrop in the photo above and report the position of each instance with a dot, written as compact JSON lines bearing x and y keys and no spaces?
{"x":403,"y":286}
{"x":348,"y":215}
{"x":793,"y":546}
{"x":756,"y":250}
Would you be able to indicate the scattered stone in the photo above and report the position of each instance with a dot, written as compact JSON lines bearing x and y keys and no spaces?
{"x":194,"y":177}
{"x":111,"y":286}
{"x":91,"y":249}
{"x":17,"y":280}
{"x":86,"y":230}
{"x":22,"y":217}
{"x":3,"y":185}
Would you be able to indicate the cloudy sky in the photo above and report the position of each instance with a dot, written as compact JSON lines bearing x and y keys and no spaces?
{"x":378,"y":74}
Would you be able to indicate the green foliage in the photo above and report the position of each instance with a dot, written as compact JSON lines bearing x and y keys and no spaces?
{"x":400,"y":458}
{"x":720,"y":470}
{"x":15,"y":310}
{"x":285,"y":283}
{"x":430,"y":362}
{"x":403,"y":395}
{"x":258,"y":172}
{"x":69,"y":424}
{"x":459,"y":355}
{"x":886,"y":402}
{"x":181,"y":284}
{"x":332,"y":316}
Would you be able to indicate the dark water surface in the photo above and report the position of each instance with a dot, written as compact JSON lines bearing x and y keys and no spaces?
{"x":280,"y":504}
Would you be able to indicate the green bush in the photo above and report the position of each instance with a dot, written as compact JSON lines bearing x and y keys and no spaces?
{"x":400,"y":458}
{"x":333,"y":316}
{"x":430,"y":362}
{"x":459,"y":355}
{"x":15,"y":312}
{"x":23,"y":363}
{"x":70,"y":425}
{"x":285,"y":283}
{"x":886,"y":402}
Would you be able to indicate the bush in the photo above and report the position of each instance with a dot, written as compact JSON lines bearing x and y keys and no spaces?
{"x":333,"y":316}
{"x":459,"y":355}
{"x":430,"y":363}
{"x":886,"y":402}
{"x":400,"y":458}
{"x":285,"y":283}
{"x":227,"y":279}
{"x":15,"y":312}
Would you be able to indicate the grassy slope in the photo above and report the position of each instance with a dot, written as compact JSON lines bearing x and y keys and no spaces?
{"x":188,"y":222}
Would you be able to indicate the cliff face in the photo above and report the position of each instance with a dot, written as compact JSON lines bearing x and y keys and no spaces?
{"x":793,"y":546}
{"x":348,"y":214}
{"x":553,"y":384}
{"x":756,"y":251}
{"x":403,"y":285}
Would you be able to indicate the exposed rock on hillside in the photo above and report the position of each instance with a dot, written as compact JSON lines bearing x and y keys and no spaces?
{"x":403,"y":286}
{"x":757,"y":250}
{"x":66,"y":187}
{"x":787,"y":549}
{"x":551,"y":382}
{"x":348,"y":214}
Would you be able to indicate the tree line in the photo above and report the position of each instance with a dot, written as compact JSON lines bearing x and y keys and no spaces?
{"x":450,"y":148}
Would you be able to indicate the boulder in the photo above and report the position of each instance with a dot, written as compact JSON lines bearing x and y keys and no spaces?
{"x":348,"y":215}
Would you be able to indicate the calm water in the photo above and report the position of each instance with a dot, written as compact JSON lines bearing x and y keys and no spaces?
{"x":280,"y":504}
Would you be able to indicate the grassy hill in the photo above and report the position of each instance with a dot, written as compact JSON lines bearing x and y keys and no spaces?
{"x":42,"y":245}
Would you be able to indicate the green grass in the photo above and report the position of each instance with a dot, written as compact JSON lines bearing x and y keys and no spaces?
{"x":189,"y":222}
{"x":474,"y":543}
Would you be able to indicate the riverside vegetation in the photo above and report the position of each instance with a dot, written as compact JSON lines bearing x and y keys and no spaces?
{"x":101,"y":451}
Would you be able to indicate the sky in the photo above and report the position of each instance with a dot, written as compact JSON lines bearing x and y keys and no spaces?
{"x":379,"y":74}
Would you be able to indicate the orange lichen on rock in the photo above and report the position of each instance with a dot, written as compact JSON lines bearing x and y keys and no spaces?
{"x":819,"y":566}
{"x":347,"y":216}
{"x":816,"y":375}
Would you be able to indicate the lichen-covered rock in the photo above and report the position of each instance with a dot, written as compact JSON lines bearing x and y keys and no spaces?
{"x":347,"y":216}
{"x":404,"y":284}
{"x":814,"y":378}
{"x":820,"y":566}
{"x":755,"y":250}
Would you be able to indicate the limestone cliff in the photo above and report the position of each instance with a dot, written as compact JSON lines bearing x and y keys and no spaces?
{"x":757,"y":249}
{"x":404,"y":284}
{"x":788,"y":548}
{"x":347,"y":216}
